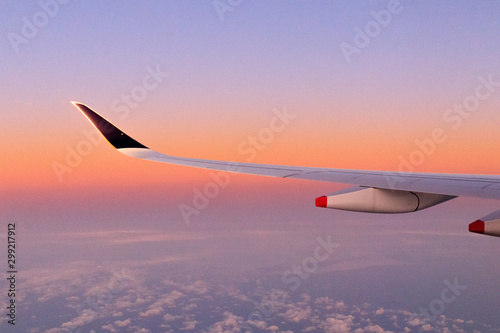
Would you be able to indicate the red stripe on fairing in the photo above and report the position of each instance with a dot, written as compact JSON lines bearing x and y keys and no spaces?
{"x":477,"y":227}
{"x":321,"y":201}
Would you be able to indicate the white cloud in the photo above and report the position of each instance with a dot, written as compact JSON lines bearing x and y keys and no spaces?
{"x":375,"y":329}
{"x":154,"y":310}
{"x":53,"y":330}
{"x":189,"y":325}
{"x":230,"y":324}
{"x":257,"y":323}
{"x":415,"y":322}
{"x":168,"y":297}
{"x":123,"y":323}
{"x":123,"y":304}
{"x":427,"y":327}
{"x":189,"y":307}
{"x":339,"y":305}
{"x":87,"y":316}
{"x":168,"y":317}
{"x":323,"y":300}
{"x":199,"y":287}
{"x":296,"y":314}
{"x":109,"y":327}
{"x":339,"y":324}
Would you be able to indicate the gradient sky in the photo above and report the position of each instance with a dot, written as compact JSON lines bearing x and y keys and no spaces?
{"x":221,"y":78}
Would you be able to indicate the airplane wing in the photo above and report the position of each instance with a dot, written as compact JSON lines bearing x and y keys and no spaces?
{"x":375,"y":191}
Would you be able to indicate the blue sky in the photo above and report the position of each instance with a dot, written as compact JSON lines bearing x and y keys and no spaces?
{"x":186,"y":79}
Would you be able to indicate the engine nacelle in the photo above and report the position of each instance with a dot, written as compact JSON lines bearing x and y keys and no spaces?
{"x":377,"y":200}
{"x":491,"y":228}
{"x":487,"y":225}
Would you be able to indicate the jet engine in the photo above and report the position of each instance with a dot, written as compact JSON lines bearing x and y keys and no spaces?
{"x":379,"y":200}
{"x":487,"y":225}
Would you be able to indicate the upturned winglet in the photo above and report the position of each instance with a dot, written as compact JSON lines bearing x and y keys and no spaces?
{"x":113,"y":134}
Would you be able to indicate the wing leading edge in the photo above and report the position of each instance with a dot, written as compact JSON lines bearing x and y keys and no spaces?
{"x":384,"y":187}
{"x":484,"y":186}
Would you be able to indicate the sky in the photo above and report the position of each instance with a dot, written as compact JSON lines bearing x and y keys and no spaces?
{"x":107,"y":243}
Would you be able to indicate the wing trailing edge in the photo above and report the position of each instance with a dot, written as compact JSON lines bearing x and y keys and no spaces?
{"x":483,"y":186}
{"x":380,"y":191}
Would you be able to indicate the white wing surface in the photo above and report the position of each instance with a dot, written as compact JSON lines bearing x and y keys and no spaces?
{"x":379,"y":191}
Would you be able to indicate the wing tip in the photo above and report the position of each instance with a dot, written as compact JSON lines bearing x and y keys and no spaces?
{"x":78,"y":104}
{"x":116,"y":137}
